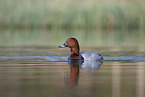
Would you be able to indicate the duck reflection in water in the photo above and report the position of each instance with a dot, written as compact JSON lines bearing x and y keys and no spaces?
{"x":72,"y":78}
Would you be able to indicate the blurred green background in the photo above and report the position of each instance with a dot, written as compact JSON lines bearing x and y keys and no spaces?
{"x":93,"y":22}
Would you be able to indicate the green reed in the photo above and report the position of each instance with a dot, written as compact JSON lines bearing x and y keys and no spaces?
{"x":72,"y":14}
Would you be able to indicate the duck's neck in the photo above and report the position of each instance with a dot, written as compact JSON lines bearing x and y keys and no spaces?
{"x":74,"y":52}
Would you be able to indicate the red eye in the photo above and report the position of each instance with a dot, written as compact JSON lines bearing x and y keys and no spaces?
{"x":70,"y":40}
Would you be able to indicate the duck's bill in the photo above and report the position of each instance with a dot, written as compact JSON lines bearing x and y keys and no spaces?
{"x":61,"y":46}
{"x":64,"y":45}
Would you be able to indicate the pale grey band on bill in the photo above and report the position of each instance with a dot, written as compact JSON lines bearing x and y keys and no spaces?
{"x":64,"y":45}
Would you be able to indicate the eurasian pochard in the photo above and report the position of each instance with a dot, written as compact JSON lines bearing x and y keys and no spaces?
{"x":73,"y":44}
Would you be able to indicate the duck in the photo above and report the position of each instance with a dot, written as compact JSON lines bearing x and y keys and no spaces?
{"x":73,"y":44}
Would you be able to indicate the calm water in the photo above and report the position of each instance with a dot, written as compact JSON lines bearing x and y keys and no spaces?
{"x":35,"y":71}
{"x":31,"y":65}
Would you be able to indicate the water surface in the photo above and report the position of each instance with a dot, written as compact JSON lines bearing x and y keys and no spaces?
{"x":34,"y":71}
{"x":31,"y":65}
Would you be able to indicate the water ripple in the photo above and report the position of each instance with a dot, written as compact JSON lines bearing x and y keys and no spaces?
{"x":125,"y":59}
{"x":65,"y":58}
